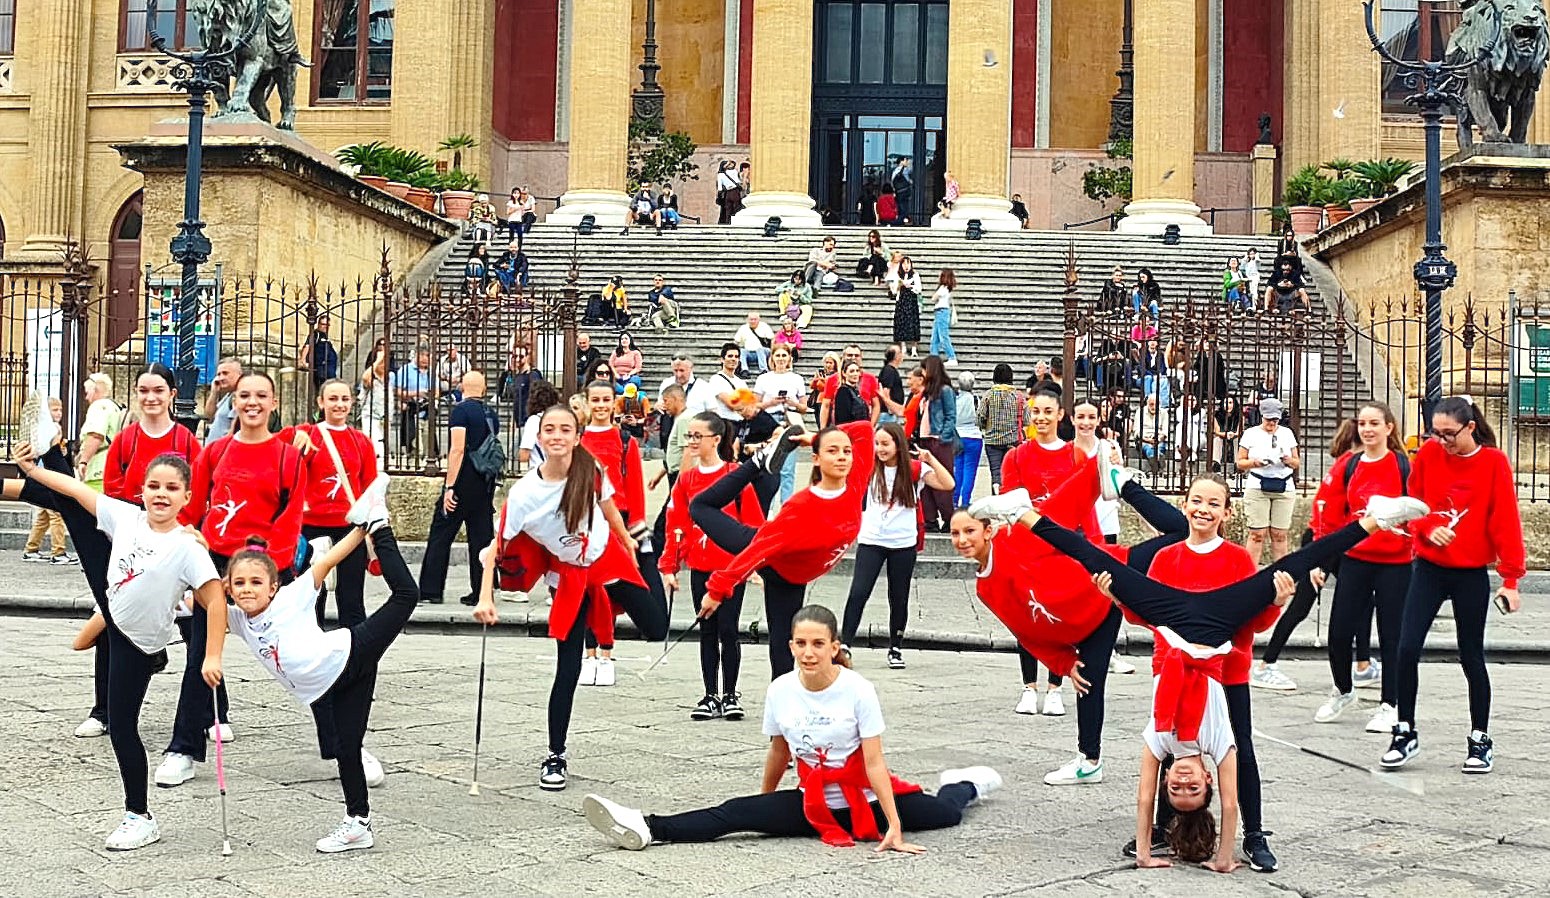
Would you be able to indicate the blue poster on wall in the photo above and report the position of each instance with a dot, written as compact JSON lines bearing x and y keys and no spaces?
{"x":162,"y":309}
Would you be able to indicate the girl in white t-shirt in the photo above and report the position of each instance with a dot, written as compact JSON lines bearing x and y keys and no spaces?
{"x":154,"y":561}
{"x":828,"y":719}
{"x":333,"y":669}
{"x":891,"y":532}
{"x":560,"y":520}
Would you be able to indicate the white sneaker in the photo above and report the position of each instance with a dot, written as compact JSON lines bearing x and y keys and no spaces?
{"x":35,"y":414}
{"x":370,"y":510}
{"x":606,"y":675}
{"x":985,"y":780}
{"x":134,"y":832}
{"x":350,"y":834}
{"x":1335,"y":706}
{"x":223,"y":732}
{"x":1111,"y":477}
{"x":1029,"y":703}
{"x":90,"y":728}
{"x":1003,"y":509}
{"x":1371,"y":678}
{"x":1383,"y":719}
{"x":950,"y":363}
{"x":175,"y":769}
{"x":588,"y":672}
{"x":625,"y":826}
{"x":1078,"y":772}
{"x":1266,"y":676}
{"x":1118,"y":665}
{"x":373,"y":769}
{"x":1392,"y":512}
{"x":1054,"y":705}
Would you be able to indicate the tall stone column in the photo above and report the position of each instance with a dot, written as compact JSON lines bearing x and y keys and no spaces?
{"x":979,"y":114}
{"x":781,"y":103}
{"x":1350,"y":105}
{"x":1301,"y":102}
{"x":440,"y":102}
{"x":56,"y":130}
{"x":1163,"y":180}
{"x":599,"y":114}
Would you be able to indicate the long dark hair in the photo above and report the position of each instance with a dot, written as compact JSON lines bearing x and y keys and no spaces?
{"x":935,"y":376}
{"x":578,"y":499}
{"x":543,"y":397}
{"x":1463,"y":410}
{"x":903,"y":492}
{"x":1192,"y":834}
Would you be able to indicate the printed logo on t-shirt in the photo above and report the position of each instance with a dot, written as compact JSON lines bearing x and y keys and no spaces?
{"x":333,"y":492}
{"x":1036,"y":608}
{"x":131,"y":566}
{"x":269,"y":650}
{"x":231,"y":507}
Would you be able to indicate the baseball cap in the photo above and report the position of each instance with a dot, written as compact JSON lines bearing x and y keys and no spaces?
{"x":1270,"y":408}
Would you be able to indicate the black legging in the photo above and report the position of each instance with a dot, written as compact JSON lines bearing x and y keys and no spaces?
{"x":780,"y":814}
{"x":1301,"y":605}
{"x":1250,"y":800}
{"x":718,"y":636}
{"x":1227,"y":610}
{"x":350,"y":598}
{"x":782,"y":598}
{"x":567,"y":672}
{"x":1470,"y":591}
{"x":349,"y":699}
{"x":870,"y":561}
{"x":1362,"y":587}
{"x":646,"y":606}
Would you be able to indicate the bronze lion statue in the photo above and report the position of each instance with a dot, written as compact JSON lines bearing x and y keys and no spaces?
{"x":268,"y":61}
{"x":1499,"y":94}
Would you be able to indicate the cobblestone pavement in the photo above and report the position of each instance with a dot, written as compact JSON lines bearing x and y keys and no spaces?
{"x":1339,"y":832}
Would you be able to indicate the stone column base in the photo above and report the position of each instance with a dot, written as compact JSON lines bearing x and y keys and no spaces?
{"x":795,"y":210}
{"x":1153,"y":216}
{"x":609,"y":207}
{"x":994,"y":213}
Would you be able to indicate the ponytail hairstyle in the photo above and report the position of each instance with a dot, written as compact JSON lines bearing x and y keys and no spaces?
{"x":818,"y":614}
{"x":1347,"y":439}
{"x":1463,"y":410}
{"x":256,"y":551}
{"x":713,"y":422}
{"x":162,"y":371}
{"x":1192,"y":834}
{"x":903,"y":492}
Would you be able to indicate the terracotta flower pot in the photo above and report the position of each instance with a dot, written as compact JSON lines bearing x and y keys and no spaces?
{"x":457,"y":203}
{"x":397,"y":188}
{"x":1336,"y":214}
{"x":422,"y":198}
{"x":1360,"y":206}
{"x":1306,"y":219}
{"x":376,"y":181}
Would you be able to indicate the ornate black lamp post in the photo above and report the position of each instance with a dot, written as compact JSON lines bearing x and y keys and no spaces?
{"x":648,"y":100}
{"x":199,"y":74}
{"x":1436,"y":86}
{"x":1122,"y":104}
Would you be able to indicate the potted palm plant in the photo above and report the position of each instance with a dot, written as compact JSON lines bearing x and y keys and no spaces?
{"x":457,"y":193}
{"x":1304,"y":195}
{"x":456,"y":145}
{"x":1340,"y":196}
{"x":422,"y":186}
{"x":368,"y":160}
{"x":1382,"y":177}
{"x":401,"y":165}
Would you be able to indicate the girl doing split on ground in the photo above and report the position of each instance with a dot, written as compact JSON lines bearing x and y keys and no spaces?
{"x":333,"y":671}
{"x":1190,"y":716}
{"x":892,"y":532}
{"x":1471,"y":487}
{"x":560,"y":520}
{"x":804,"y":541}
{"x":152,"y":562}
{"x":828,"y":719}
{"x":687,"y":546}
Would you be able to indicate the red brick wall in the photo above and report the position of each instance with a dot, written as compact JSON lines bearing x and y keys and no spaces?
{"x":1252,"y":40}
{"x":526,"y":68}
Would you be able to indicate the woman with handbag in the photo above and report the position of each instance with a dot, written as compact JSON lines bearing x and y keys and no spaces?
{"x":729,"y":193}
{"x":1267,"y":454}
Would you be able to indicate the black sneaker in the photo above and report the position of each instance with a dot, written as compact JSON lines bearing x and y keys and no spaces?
{"x":469,"y":600}
{"x":551,"y":774}
{"x":773,"y":456}
{"x":895,"y":659}
{"x":1480,"y":759}
{"x":1405,"y":745}
{"x":708,"y":708}
{"x":1159,"y":844}
{"x":159,"y":662}
{"x":731,"y":708}
{"x":1257,"y":850}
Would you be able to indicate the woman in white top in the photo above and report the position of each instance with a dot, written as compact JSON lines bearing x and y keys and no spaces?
{"x":827,"y":719}
{"x":942,"y":318}
{"x":543,"y":396}
{"x":891,"y":532}
{"x":153,"y":562}
{"x":971,"y":441}
{"x":373,"y":399}
{"x":782,"y":390}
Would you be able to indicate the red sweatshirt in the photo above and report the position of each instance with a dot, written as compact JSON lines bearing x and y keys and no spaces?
{"x":1338,"y":503}
{"x":1044,"y":597}
{"x":1180,"y":566}
{"x":810,"y":533}
{"x":1040,"y":471}
{"x":1477,"y":496}
{"x":622,"y":464}
{"x":132,"y":451}
{"x":250,"y":489}
{"x":698,"y":552}
{"x":328,"y":501}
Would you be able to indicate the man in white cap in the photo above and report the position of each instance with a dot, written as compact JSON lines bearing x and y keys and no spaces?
{"x":1267,"y":454}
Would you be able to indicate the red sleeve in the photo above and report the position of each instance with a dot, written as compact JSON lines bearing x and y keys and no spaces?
{"x":287,"y":526}
{"x":771,"y":537}
{"x":1417,"y":488}
{"x":199,"y":493}
{"x":1011,"y":469}
{"x":677,"y":521}
{"x":1059,"y":658}
{"x":1505,"y":525}
{"x":113,"y":472}
{"x":1265,"y":619}
{"x":831,"y":385}
{"x":1329,"y":503}
{"x":368,"y":459}
{"x":634,"y":484}
{"x":863,"y":453}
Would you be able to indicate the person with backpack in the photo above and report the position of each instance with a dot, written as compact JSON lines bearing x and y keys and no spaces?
{"x":468,"y":493}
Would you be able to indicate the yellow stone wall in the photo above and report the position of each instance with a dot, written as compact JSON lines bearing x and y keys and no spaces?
{"x":690,"y":49}
{"x":1084,"y":53}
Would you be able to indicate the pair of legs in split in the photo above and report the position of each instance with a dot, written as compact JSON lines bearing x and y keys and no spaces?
{"x":780,"y":813}
{"x":350,"y":599}
{"x":782,"y":598}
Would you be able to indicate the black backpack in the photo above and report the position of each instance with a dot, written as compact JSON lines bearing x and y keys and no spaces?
{"x":489,"y":458}
{"x":1404,"y":470}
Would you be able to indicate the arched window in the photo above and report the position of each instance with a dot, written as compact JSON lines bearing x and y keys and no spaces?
{"x":173,"y":22}
{"x":7,"y":27}
{"x":124,"y":273}
{"x":352,"y":60}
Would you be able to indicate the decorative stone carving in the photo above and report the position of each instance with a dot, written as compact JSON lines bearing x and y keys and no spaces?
{"x":1499,"y":93}
{"x":268,"y":62}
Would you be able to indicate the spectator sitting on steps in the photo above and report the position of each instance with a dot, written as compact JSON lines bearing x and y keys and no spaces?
{"x":512,"y":267}
{"x":821,"y":265}
{"x":1286,"y":293}
{"x":482,"y":219}
{"x":790,"y":337}
{"x":626,"y":363}
{"x":587,"y":355}
{"x":754,"y":339}
{"x":476,"y":271}
{"x":667,"y":207}
{"x":796,"y":294}
{"x":643,"y":210}
{"x":662,"y":307}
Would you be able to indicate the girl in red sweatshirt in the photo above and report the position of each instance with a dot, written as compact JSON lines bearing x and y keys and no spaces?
{"x":1470,"y":483}
{"x":1374,"y":576}
{"x":804,"y":540}
{"x":687,"y":545}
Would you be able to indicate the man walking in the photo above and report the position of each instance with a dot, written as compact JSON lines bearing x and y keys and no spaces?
{"x":467,"y":496}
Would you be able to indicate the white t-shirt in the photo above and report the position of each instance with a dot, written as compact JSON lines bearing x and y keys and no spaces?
{"x":888,"y":525}
{"x":1215,"y":731}
{"x":148,"y":572}
{"x":833,"y":721}
{"x":1261,"y":445}
{"x":286,"y":640}
{"x":942,"y":298}
{"x":719,"y":383}
{"x":770,"y":383}
{"x":529,"y":440}
{"x":533,"y":507}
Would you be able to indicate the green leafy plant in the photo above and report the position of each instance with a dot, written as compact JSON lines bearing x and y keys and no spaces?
{"x":1280,"y":217}
{"x":456,"y":144}
{"x":1102,"y":182}
{"x":367,"y":158}
{"x":399,"y":164}
{"x":1307,"y":187}
{"x":457,"y":179}
{"x":657,"y":155}
{"x":1341,"y":167}
{"x":1342,"y":192}
{"x":1383,"y":175}
{"x":425,"y":179}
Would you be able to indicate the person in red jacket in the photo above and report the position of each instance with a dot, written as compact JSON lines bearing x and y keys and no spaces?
{"x":618,"y":454}
{"x":805,"y":539}
{"x":251,"y":483}
{"x":1470,"y":483}
{"x":1374,"y":576}
{"x":686,"y":545}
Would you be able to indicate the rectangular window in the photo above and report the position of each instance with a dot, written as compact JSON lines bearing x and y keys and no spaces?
{"x":936,"y":43}
{"x":1413,"y":30}
{"x":7,"y":27}
{"x":906,"y":44}
{"x":174,"y":23}
{"x":873,"y":43}
{"x":353,"y":61}
{"x":837,"y":39}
